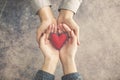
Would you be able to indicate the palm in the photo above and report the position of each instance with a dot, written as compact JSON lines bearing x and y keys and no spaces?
{"x":65,"y":48}
{"x":50,"y":49}
{"x":72,"y":25}
{"x":68,"y":49}
{"x":46,"y":45}
{"x":43,"y":27}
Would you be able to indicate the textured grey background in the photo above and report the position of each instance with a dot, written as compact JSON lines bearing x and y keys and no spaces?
{"x":98,"y":57}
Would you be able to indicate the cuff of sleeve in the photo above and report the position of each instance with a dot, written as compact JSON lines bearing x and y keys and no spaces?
{"x":37,"y":4}
{"x":42,"y":75}
{"x":72,"y":76}
{"x":72,"y":5}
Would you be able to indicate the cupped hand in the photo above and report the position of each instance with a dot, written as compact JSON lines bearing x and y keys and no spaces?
{"x":45,"y":45}
{"x":51,"y":55}
{"x":68,"y":51}
{"x":44,"y":26}
{"x":47,"y":18}
{"x":66,"y":17}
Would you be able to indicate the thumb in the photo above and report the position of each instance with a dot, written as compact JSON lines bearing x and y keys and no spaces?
{"x":73,"y":36}
{"x":42,"y":39}
{"x":77,"y":34}
{"x":39,"y":34}
{"x":76,"y":28}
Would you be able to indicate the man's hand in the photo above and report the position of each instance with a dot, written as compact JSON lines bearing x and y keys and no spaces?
{"x":42,"y":28}
{"x":66,"y":17}
{"x":51,"y":55}
{"x":47,"y":18}
{"x":68,"y":51}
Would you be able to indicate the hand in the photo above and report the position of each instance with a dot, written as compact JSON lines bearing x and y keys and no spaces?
{"x":51,"y":55}
{"x":47,"y":18}
{"x":68,"y":51}
{"x":66,"y":17}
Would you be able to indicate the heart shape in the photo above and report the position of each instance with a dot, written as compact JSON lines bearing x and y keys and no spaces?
{"x":58,"y":40}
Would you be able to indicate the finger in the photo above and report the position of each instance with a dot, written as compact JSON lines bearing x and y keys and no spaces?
{"x":42,"y":39}
{"x":59,"y":29}
{"x":72,"y":24}
{"x":73,"y":36}
{"x":62,"y":29}
{"x":38,"y":36}
{"x":77,"y":34}
{"x":55,"y":29}
{"x":67,"y":29}
{"x":48,"y":32}
{"x":70,"y":40}
{"x":52,"y":29}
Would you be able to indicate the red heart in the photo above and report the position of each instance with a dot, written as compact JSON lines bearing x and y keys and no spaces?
{"x":58,"y":40}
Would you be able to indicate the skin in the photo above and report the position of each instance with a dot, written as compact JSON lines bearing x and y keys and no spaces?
{"x":68,"y":51}
{"x":46,"y":18}
{"x":66,"y":17}
{"x":51,"y":55}
{"x":66,"y":54}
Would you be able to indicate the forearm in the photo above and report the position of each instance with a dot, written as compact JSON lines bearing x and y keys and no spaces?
{"x":66,"y":14}
{"x":48,"y":69}
{"x":45,"y":13}
{"x":70,"y":70}
{"x":69,"y":66}
{"x":50,"y":65}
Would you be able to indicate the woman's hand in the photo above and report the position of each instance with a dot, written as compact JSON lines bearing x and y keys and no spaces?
{"x":51,"y":55}
{"x":68,"y":51}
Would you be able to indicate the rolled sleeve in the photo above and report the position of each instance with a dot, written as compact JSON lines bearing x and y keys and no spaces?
{"x":37,"y":4}
{"x":72,"y":5}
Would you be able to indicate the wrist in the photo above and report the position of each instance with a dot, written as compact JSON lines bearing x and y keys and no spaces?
{"x":52,"y":59}
{"x":45,"y":13}
{"x":50,"y":65}
{"x":69,"y":66}
{"x":67,"y":61}
{"x":66,"y":14}
{"x":49,"y":21}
